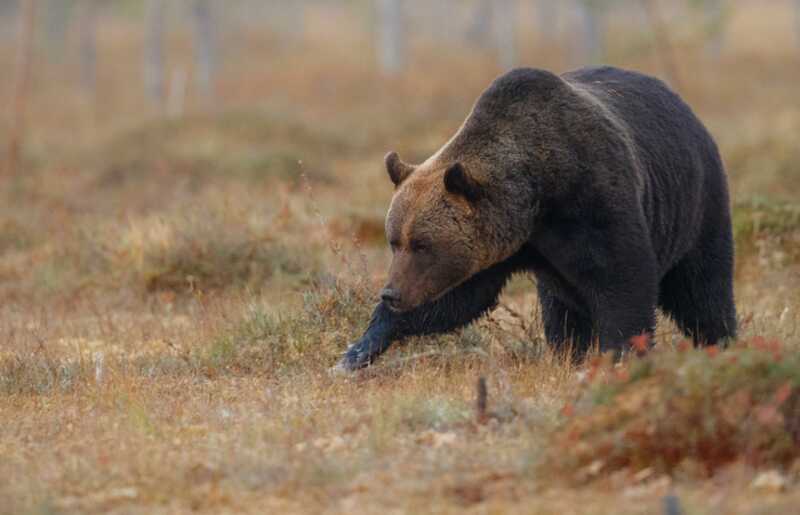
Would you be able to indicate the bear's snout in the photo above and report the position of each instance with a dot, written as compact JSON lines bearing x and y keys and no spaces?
{"x":391,"y":298}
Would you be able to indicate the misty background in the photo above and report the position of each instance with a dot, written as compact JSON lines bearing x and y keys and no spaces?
{"x":181,"y":52}
{"x":382,"y":74}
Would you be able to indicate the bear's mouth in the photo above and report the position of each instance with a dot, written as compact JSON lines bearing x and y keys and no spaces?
{"x":399,"y":306}
{"x":394,"y":308}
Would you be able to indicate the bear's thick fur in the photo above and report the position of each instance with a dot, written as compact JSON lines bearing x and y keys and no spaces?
{"x":601,"y":182}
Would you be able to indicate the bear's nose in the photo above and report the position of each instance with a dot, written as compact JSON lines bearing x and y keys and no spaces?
{"x":390,"y":296}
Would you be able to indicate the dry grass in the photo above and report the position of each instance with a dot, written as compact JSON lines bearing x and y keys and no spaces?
{"x":172,"y":294}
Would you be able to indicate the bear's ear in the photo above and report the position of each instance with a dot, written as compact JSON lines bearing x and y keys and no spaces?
{"x":398,"y":170}
{"x":458,"y":181}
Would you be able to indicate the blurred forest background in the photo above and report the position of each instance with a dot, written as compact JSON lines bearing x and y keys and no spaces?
{"x":120,"y":109}
{"x":99,"y":65}
{"x":91,"y":66}
{"x":192,"y":198}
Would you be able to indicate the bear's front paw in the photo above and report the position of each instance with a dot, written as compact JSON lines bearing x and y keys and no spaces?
{"x":357,"y":356}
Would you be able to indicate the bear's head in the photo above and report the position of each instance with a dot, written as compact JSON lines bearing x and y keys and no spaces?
{"x":435,"y":231}
{"x":477,"y":200}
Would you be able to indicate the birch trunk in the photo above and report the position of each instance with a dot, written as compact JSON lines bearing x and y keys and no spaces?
{"x":204,"y":48}
{"x":154,"y":51}
{"x":505,"y":32}
{"x":591,"y":29}
{"x":88,"y":46}
{"x":797,"y":21}
{"x":391,"y":44}
{"x":22,"y":83}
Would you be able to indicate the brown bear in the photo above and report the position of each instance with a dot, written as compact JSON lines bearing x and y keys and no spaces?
{"x":600,"y":182}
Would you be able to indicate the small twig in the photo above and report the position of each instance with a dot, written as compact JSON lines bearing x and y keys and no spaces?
{"x":516,"y":315}
{"x":481,"y":416}
{"x":496,"y":325}
{"x":362,"y":279}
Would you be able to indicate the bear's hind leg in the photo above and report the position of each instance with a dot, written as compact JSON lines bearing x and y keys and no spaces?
{"x":563,"y":325}
{"x":698,"y":295}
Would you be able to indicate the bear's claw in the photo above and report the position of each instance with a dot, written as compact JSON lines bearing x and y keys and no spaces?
{"x":358,"y":355}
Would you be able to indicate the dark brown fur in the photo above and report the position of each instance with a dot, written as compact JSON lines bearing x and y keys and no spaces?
{"x":601,"y":182}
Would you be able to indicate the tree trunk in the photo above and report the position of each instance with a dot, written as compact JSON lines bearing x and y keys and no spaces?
{"x":177,"y":93}
{"x":88,"y":46}
{"x":505,"y":32}
{"x":391,"y":37}
{"x":204,"y":48}
{"x":27,"y":20}
{"x":591,"y":21}
{"x":440,"y":16}
{"x":797,"y":20}
{"x":715,"y":27}
{"x":57,"y":14}
{"x":663,"y":43}
{"x":154,"y":51}
{"x":289,"y":20}
{"x":480,"y":30}
{"x":548,"y":20}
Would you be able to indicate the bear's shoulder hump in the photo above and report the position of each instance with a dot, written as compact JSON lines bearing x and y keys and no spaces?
{"x":522,"y":83}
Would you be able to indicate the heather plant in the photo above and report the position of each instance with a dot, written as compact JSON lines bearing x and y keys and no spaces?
{"x":684,"y":409}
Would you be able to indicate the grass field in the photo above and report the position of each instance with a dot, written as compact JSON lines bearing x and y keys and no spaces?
{"x":174,"y":291}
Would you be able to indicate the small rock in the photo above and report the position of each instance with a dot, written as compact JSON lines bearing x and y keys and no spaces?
{"x":436,"y":439}
{"x":771,"y":481}
{"x":128,"y":492}
{"x":592,"y":469}
{"x":329,"y":444}
{"x":440,"y":439}
{"x":643,"y":475}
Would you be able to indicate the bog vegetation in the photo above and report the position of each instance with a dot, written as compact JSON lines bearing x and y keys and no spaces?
{"x":174,"y":290}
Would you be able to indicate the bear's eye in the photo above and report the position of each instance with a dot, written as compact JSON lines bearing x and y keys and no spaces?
{"x":419,"y":246}
{"x":394,"y":244}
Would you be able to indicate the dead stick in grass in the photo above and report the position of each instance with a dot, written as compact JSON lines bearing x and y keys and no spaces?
{"x":22,"y":84}
{"x":481,"y":401}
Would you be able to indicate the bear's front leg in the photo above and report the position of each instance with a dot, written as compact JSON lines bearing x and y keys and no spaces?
{"x":381,"y":332}
{"x":620,"y":320}
{"x":623,"y":298}
{"x":623,"y":290}
{"x":457,"y":308}
{"x":614,"y":272}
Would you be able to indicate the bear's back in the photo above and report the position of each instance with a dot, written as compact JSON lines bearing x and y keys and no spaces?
{"x":662,"y":124}
{"x":680,"y":164}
